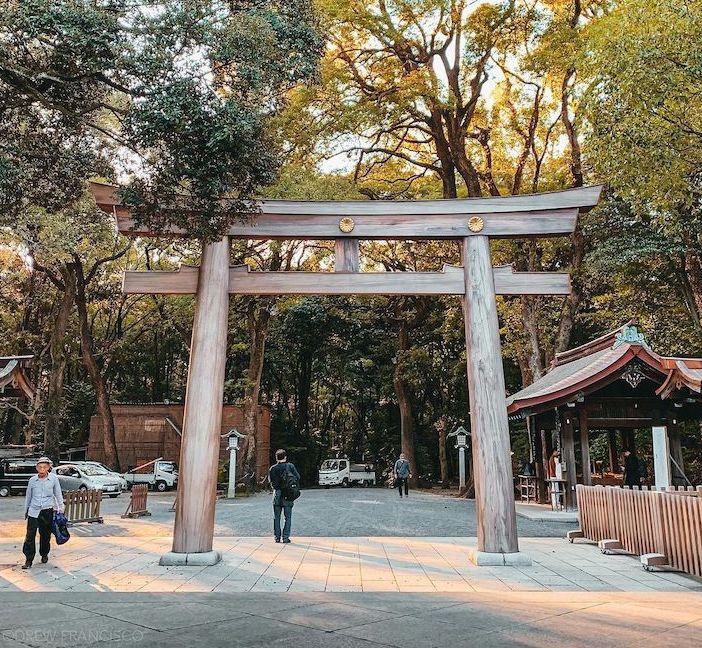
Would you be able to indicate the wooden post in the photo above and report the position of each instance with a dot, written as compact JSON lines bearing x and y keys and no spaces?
{"x":346,"y":257}
{"x":199,"y":453}
{"x":540,"y":461}
{"x":568,"y":456}
{"x":585,"y":447}
{"x":492,"y":466}
{"x":545,"y":453}
{"x":675,"y":445}
{"x":661,"y":456}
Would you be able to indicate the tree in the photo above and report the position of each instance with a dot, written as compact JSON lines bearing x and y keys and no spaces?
{"x":58,"y":244}
{"x":483,"y":97}
{"x":177,"y":95}
{"x":646,"y":112}
{"x":185,"y":90}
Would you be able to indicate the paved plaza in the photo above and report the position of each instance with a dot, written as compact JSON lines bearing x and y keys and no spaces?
{"x":346,"y":620}
{"x":365,"y":564}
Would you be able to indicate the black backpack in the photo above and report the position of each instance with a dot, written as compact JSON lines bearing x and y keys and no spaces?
{"x":289,"y":485}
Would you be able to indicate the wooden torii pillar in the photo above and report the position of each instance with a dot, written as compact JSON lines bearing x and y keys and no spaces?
{"x":473,"y":222}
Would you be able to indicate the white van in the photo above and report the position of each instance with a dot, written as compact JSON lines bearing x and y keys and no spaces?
{"x":335,"y":472}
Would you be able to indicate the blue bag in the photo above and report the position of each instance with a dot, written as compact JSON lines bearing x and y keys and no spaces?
{"x":59,"y":527}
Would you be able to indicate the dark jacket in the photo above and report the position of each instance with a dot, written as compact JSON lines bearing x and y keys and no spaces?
{"x":631,"y":471}
{"x":275,"y":476}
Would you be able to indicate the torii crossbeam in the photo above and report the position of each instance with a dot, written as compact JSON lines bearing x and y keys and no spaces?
{"x":473,"y":222}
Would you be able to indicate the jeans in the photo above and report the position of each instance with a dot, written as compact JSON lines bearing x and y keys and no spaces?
{"x":403,"y":481}
{"x":286,"y":508}
{"x":43,"y":523}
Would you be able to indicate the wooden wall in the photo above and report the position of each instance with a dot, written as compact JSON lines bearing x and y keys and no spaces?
{"x":144,"y":434}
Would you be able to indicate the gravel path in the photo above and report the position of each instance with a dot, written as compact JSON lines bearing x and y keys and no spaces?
{"x":318,"y":512}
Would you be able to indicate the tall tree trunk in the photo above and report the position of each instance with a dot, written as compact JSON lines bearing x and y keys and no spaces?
{"x":258,"y":317}
{"x":403,"y":401}
{"x":443,"y":459}
{"x":530,"y":307}
{"x":443,"y":152}
{"x":90,"y":363}
{"x":573,"y":300}
{"x":691,"y":300}
{"x":304,"y":391}
{"x":693,"y":270}
{"x":57,"y":351}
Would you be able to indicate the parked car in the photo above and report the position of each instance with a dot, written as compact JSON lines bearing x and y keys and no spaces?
{"x":82,"y":477}
{"x":158,"y":474}
{"x":100,"y":467}
{"x":15,"y":474}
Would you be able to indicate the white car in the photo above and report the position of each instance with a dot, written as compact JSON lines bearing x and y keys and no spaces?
{"x":86,"y":477}
{"x":102,"y":467}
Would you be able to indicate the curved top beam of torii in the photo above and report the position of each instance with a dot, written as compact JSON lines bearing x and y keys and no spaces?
{"x":527,"y":215}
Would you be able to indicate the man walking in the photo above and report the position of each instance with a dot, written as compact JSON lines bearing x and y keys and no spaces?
{"x":285,"y":481}
{"x":402,"y":474}
{"x":43,"y":496}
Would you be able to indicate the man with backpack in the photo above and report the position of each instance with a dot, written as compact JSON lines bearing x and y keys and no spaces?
{"x":285,"y":481}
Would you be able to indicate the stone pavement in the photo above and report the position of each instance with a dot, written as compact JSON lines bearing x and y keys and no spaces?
{"x":130,"y":564}
{"x":341,"y":593}
{"x":347,"y":620}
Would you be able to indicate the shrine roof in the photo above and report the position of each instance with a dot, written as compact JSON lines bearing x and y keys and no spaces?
{"x":587,"y":368}
{"x":13,"y":380}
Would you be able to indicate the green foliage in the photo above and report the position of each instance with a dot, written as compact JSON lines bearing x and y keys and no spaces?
{"x":183,"y":91}
{"x":645,"y":64}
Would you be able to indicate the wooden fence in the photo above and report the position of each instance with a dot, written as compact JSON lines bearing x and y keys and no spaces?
{"x":664,"y":527}
{"x":137,"y":501}
{"x":83,"y":505}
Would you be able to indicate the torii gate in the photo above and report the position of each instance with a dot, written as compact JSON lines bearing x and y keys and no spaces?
{"x":472,"y":221}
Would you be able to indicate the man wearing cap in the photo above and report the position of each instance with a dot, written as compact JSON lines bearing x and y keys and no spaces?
{"x":43,"y":496}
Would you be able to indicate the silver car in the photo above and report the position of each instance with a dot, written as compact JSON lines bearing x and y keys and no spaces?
{"x":101,"y":467}
{"x":85,"y":477}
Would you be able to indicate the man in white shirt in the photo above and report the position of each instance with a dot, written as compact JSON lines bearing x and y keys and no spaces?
{"x":43,"y":497}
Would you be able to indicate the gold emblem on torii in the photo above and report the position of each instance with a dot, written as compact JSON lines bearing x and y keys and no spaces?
{"x":346,"y":225}
{"x":476,"y":224}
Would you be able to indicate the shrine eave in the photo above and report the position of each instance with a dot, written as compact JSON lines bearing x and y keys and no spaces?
{"x":13,"y":380}
{"x":591,"y":367}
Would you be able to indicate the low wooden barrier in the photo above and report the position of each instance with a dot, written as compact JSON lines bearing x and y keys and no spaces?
{"x":82,"y":506}
{"x":137,"y":501}
{"x":664,"y":527}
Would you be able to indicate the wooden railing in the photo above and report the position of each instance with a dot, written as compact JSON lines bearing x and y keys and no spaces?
{"x":664,"y":527}
{"x":82,"y":505}
{"x":137,"y":501}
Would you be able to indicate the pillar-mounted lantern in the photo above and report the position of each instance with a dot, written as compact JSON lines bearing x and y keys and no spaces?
{"x":233,"y":439}
{"x":234,"y":436}
{"x":461,"y":436}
